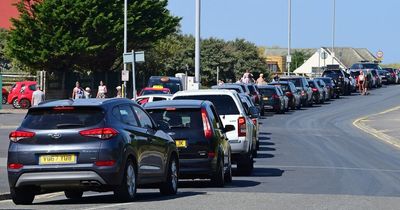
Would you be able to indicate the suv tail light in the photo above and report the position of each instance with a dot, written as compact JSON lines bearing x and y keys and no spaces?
{"x":105,"y":163}
{"x":241,"y":126}
{"x":18,"y":135}
{"x":274,"y":96}
{"x":101,"y":133}
{"x":289,"y":94}
{"x":314,"y":89}
{"x":15,"y":166}
{"x":206,"y":124}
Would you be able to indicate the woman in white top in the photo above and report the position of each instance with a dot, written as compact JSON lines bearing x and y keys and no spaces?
{"x":102,"y":91}
{"x":361,"y":79}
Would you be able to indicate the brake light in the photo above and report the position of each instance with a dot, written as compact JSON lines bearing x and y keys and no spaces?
{"x":303,"y":93}
{"x":211,"y":154}
{"x":241,"y":126}
{"x":18,"y":135}
{"x":105,"y":163}
{"x":314,"y":89}
{"x":101,"y":133}
{"x":289,"y":94}
{"x":274,"y":96}
{"x":254,"y":121}
{"x":206,"y":124}
{"x":15,"y":166}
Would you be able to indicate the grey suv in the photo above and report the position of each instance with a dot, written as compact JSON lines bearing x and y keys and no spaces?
{"x":89,"y":144}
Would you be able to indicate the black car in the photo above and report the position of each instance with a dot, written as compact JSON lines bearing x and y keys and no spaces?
{"x":318,"y":92}
{"x":255,"y":96}
{"x":301,"y":85}
{"x":204,"y":151}
{"x":385,"y":76}
{"x":291,"y":92}
{"x":330,"y":85}
{"x":90,"y":145}
{"x":393,"y":75}
{"x":339,"y":76}
{"x":273,"y":100}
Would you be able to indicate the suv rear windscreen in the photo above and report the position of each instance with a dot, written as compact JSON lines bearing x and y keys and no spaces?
{"x":237,"y":89}
{"x":224,"y":104}
{"x":365,"y":66}
{"x":332,"y":74}
{"x":267,"y":91}
{"x":62,"y":117}
{"x":178,"y":118}
{"x":327,"y":81}
{"x":295,"y":81}
{"x":150,"y":92}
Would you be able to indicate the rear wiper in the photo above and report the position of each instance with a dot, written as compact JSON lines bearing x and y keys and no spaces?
{"x":66,"y":125}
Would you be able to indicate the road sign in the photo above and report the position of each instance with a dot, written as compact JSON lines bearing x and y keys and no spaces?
{"x":288,"y":58}
{"x":139,"y":57}
{"x":379,"y":54}
{"x":125,"y":75}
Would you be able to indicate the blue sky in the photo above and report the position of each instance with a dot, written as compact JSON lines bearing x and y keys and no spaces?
{"x":359,"y":23}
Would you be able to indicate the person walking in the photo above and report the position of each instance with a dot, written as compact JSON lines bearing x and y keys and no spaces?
{"x":119,"y":92}
{"x":77,"y":92}
{"x":102,"y":90}
{"x":87,"y":93}
{"x":276,"y":78}
{"x":367,"y":81}
{"x":361,"y":81}
{"x":37,"y":96}
{"x":247,"y":77}
{"x":260,"y":80}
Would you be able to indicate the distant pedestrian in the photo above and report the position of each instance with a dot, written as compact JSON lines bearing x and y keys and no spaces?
{"x":102,"y":90}
{"x":87,"y":93}
{"x":37,"y":96}
{"x":119,"y":92}
{"x":220,"y":82}
{"x":260,"y":80}
{"x":247,"y":77}
{"x":77,"y":92}
{"x":361,"y":81}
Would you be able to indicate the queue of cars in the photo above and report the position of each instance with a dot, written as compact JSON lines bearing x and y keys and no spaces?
{"x":120,"y":145}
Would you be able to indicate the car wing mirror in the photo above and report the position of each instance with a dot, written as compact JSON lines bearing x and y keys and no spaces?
{"x":229,"y":128}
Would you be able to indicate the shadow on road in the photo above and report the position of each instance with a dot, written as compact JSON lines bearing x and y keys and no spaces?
{"x":264,"y":148}
{"x":109,"y":199}
{"x":266,"y":143}
{"x":263,"y":155}
{"x":265,"y":133}
{"x":267,"y":172}
{"x":208,"y":184}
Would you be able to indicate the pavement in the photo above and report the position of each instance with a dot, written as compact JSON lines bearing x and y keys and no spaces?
{"x":314,"y":158}
{"x":383,"y":125}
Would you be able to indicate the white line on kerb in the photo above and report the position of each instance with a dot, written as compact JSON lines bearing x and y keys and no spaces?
{"x":329,"y":167}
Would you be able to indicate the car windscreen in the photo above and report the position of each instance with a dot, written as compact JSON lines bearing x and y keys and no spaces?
{"x":295,"y":81}
{"x":172,"y":85}
{"x":331,"y":74}
{"x":365,"y":66}
{"x":224,"y":104}
{"x":284,"y":87}
{"x":267,"y":91}
{"x":312,"y":84}
{"x":62,"y":117}
{"x":177,"y":118}
{"x":149,"y":92}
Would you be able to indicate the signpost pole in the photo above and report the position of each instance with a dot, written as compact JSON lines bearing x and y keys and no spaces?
{"x":133,"y":75}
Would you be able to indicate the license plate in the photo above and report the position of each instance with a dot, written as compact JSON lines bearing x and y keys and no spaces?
{"x":181,"y":143}
{"x":57,"y":159}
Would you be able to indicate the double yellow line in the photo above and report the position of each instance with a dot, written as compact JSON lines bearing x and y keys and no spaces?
{"x":359,"y":123}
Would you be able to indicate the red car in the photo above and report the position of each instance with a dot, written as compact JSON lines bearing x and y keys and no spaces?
{"x":20,"y":95}
{"x":154,"y":90}
{"x":4,"y":94}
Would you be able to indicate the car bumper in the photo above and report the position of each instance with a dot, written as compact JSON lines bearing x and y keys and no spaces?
{"x":196,"y":168}
{"x":240,"y":145}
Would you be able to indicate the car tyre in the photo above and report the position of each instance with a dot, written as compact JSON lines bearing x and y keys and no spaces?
{"x":15,"y":103}
{"x":170,"y":186}
{"x":24,"y":103}
{"x":22,"y":196}
{"x":228,"y":173}
{"x":73,"y":194}
{"x":127,"y":190}
{"x":218,"y":179}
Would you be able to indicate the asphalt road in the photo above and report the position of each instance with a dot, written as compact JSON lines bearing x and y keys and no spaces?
{"x":309,"y":159}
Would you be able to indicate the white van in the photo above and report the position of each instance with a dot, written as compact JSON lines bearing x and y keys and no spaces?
{"x":231,"y":112}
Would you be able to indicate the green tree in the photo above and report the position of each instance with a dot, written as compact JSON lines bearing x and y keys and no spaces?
{"x":84,"y":35}
{"x":298,"y":58}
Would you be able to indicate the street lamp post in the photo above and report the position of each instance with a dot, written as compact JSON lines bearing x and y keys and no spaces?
{"x":333,"y":30}
{"x":125,"y":37}
{"x":197,"y":44}
{"x":288,"y":57}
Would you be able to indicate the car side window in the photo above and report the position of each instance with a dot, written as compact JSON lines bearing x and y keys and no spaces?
{"x":32,"y":87}
{"x":144,"y":119}
{"x":127,"y":115}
